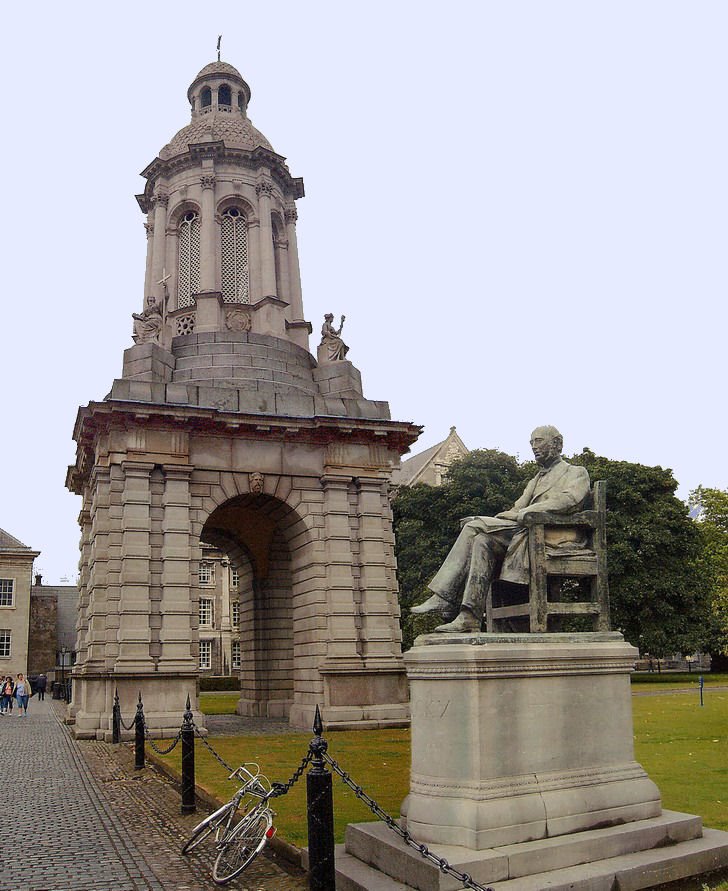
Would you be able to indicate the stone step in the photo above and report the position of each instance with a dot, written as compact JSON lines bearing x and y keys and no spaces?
{"x":376,"y":845}
{"x":353,"y":875}
{"x":631,"y":872}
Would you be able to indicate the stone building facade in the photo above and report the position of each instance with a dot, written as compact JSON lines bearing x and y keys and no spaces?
{"x":16,"y":572}
{"x":224,"y":432}
{"x":52,"y":632}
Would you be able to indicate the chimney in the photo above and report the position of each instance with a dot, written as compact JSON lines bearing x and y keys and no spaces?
{"x":38,"y":580}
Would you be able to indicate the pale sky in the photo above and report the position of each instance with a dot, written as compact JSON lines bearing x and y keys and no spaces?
{"x":519,"y":206}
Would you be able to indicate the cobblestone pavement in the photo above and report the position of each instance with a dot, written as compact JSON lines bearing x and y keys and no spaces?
{"x":87,"y":821}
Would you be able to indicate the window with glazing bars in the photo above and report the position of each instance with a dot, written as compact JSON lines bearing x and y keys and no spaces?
{"x":205,"y":654}
{"x":235,"y":277}
{"x":205,"y":611}
{"x":235,"y":613}
{"x":188,"y":269}
{"x":7,"y":589}
{"x":236,"y":654}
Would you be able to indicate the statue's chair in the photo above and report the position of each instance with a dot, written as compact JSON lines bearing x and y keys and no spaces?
{"x":565,"y":582}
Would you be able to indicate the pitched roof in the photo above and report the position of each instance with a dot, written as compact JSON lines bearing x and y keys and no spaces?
{"x":411,"y":469}
{"x":9,"y":543}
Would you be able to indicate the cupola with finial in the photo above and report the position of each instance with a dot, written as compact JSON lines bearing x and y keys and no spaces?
{"x":221,"y":224}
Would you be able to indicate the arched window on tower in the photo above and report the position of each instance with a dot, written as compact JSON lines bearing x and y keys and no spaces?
{"x":188,"y":272}
{"x":224,"y":95}
{"x":235,"y":277}
{"x":206,"y":98}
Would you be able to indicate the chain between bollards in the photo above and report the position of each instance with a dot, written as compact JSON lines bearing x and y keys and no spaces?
{"x":139,"y":735}
{"x":187,"y":734}
{"x":320,"y":809}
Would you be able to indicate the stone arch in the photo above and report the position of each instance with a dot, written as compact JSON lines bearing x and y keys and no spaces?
{"x":179,"y":210}
{"x":269,"y":542}
{"x":237,"y":201}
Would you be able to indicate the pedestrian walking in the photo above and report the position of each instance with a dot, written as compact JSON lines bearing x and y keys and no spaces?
{"x":40,"y":686}
{"x":6,"y":695}
{"x":22,"y":694}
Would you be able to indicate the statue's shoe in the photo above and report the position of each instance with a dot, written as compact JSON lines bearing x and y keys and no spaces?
{"x":435,"y":603}
{"x":464,"y":623}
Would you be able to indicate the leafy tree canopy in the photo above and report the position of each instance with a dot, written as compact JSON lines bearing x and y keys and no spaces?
{"x":712,"y":506}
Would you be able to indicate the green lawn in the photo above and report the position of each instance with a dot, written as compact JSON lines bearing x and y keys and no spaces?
{"x":683,"y":747}
{"x":218,"y":703}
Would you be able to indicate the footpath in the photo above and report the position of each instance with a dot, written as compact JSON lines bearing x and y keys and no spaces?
{"x":76,"y":816}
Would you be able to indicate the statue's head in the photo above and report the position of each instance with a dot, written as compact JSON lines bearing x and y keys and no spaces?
{"x":329,"y":317}
{"x":257,"y":482}
{"x":547,"y":444}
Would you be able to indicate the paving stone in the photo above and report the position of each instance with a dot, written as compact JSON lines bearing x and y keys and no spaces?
{"x":89,"y":822}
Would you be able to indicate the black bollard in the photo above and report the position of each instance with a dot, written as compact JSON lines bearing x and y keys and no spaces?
{"x":188,"y":762}
{"x":139,"y":735}
{"x":320,"y":807}
{"x":116,"y":719}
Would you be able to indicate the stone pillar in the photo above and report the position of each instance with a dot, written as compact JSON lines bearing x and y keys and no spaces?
{"x":207,"y":234}
{"x":97,"y":608}
{"x":344,"y":635}
{"x":176,"y":610}
{"x":381,"y":633}
{"x":84,"y":521}
{"x":254,"y":272}
{"x":264,"y":190}
{"x":224,"y":635}
{"x":161,"y":199}
{"x":294,"y":271}
{"x":149,"y":228}
{"x":134,"y":633}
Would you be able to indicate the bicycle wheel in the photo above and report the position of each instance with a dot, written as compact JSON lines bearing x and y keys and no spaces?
{"x":210,"y":824}
{"x":242,"y":846}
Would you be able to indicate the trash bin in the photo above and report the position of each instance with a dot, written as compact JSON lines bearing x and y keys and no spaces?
{"x":57,"y":689}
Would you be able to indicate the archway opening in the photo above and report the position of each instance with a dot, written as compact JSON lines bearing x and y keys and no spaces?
{"x":254,"y":532}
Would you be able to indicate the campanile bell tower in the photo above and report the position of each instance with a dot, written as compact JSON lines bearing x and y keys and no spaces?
{"x":221,"y":221}
{"x":224,"y":430}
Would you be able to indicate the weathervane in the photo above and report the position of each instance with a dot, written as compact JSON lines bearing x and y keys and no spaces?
{"x":219,"y":38}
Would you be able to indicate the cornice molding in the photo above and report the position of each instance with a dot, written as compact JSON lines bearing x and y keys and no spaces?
{"x":291,"y":187}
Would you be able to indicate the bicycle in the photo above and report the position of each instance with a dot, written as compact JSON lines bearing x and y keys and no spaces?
{"x":239,"y":843}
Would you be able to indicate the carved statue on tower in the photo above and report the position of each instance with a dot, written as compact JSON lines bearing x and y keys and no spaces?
{"x":332,"y":348}
{"x":148,"y":324}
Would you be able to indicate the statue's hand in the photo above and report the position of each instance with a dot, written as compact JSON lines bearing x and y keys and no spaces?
{"x":522,"y":514}
{"x":507,"y":515}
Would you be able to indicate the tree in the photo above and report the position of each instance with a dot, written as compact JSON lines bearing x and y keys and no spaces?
{"x":659,"y":586}
{"x":659,"y":582}
{"x":712,"y":514}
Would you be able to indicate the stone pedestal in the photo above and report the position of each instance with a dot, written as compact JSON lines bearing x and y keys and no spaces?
{"x":523,"y":775}
{"x":522,"y":737}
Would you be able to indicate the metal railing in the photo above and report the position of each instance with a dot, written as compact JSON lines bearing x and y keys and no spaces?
{"x":319,"y":792}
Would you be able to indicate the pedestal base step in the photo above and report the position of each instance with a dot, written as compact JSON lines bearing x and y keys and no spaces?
{"x":619,"y":858}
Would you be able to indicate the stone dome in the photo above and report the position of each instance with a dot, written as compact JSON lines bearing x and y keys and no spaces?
{"x":219,"y":68}
{"x":233,"y":129}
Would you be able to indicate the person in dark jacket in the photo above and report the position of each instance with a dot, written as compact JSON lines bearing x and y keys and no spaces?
{"x":41,"y":682}
{"x":7,"y":691}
